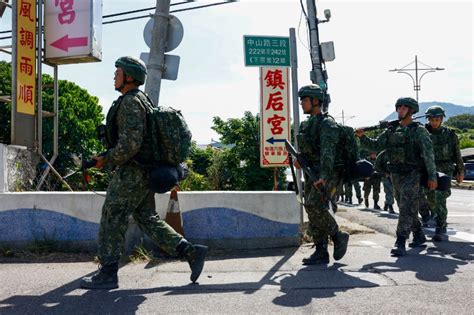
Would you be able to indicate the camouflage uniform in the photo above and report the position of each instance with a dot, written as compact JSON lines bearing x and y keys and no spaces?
{"x":372,"y":183}
{"x":449,"y":161}
{"x":380,"y":166}
{"x":317,"y":138}
{"x":128,"y":192}
{"x":348,"y":190}
{"x":409,"y":149}
{"x":388,"y":190}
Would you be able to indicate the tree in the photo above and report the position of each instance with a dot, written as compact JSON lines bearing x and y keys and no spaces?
{"x":238,"y":167}
{"x":201,"y":158}
{"x":463,"y":121}
{"x":5,"y":107}
{"x":79,"y":116}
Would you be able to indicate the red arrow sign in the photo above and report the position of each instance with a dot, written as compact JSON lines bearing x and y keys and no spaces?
{"x":64,"y":43}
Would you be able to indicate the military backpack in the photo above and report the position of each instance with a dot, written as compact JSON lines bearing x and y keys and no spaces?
{"x":353,"y":168}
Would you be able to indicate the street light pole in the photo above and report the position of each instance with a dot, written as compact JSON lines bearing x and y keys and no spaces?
{"x":416,"y":80}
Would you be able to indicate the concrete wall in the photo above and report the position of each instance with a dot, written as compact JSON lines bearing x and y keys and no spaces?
{"x":17,"y":168}
{"x":219,"y":219}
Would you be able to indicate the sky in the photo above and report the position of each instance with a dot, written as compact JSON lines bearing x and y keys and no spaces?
{"x":370,"y":38}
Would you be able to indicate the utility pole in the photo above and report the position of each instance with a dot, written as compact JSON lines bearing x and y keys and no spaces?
{"x":318,"y":75}
{"x":156,"y":59}
{"x":345,"y":118}
{"x":416,"y":80}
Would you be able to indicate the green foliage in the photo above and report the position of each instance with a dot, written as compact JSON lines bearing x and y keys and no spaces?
{"x":79,"y":115}
{"x":201,"y":159}
{"x":238,"y":167}
{"x":195,"y":181}
{"x":5,"y":107}
{"x":463,"y":121}
{"x":466,"y":139}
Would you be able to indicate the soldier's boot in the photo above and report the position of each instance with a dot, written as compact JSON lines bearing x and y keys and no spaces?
{"x":340,"y":240}
{"x":385,"y":207}
{"x":104,"y":278}
{"x":376,"y":206}
{"x":419,"y":239}
{"x":439,"y":232}
{"x":359,"y":199}
{"x":349,"y":200}
{"x":195,"y":255}
{"x":366,"y":202}
{"x":320,"y":255}
{"x":399,"y":247}
{"x":390,"y":209}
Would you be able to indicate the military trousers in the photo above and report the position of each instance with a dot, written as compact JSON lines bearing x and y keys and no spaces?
{"x":388,"y":190}
{"x":407,"y":189}
{"x":424,"y":206}
{"x":437,"y":203}
{"x":348,"y":189}
{"x":128,"y":194}
{"x":322,"y":222}
{"x":372,"y":183}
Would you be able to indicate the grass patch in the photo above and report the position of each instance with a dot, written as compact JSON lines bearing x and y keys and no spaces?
{"x":141,"y":254}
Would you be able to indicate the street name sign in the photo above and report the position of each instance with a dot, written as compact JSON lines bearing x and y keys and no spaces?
{"x":261,"y":51}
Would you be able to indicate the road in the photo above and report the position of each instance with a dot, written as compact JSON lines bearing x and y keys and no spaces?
{"x":435,"y":279}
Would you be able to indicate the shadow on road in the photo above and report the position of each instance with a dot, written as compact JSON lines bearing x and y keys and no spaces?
{"x":306,"y":284}
{"x":434,"y":266}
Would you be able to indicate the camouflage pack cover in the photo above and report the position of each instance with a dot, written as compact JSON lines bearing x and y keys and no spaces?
{"x":171,"y":137}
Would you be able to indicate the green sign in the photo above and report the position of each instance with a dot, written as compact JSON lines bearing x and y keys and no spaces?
{"x":267,"y":51}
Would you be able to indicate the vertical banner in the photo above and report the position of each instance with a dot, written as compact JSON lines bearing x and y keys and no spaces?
{"x":274,"y":116}
{"x":26,"y":56}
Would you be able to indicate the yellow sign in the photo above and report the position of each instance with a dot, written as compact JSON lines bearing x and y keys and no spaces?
{"x":26,"y":56}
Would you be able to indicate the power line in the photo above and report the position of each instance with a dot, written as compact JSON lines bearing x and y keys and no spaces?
{"x":140,"y":10}
{"x":174,"y":11}
{"x":143,"y":16}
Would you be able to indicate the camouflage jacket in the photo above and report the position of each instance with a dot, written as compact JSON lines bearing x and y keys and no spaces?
{"x":446,"y":150}
{"x":407,"y":148}
{"x":125,"y":129}
{"x":317,"y":140}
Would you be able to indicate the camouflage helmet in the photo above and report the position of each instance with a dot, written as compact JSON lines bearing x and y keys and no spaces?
{"x":133,"y":67}
{"x":312,"y":90}
{"x":408,"y":102}
{"x":435,"y":111}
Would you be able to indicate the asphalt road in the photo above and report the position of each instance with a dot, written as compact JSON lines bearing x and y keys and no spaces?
{"x":435,"y":279}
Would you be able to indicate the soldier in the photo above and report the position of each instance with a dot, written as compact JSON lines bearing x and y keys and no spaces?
{"x":372,"y":183}
{"x":348,"y":191}
{"x":128,"y":191}
{"x":409,"y":150}
{"x":317,"y":138}
{"x":380,"y":167}
{"x":448,"y":160}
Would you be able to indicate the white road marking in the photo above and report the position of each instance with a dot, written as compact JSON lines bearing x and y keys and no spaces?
{"x":371,"y":244}
{"x":457,"y":234}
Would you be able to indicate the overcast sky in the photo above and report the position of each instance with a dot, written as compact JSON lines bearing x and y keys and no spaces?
{"x":370,"y":38}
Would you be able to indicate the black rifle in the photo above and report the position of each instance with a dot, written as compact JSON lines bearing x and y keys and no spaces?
{"x":312,"y":175}
{"x":383,"y":124}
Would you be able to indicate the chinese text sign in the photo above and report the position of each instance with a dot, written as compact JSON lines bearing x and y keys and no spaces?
{"x":267,"y":51}
{"x":26,"y":56}
{"x":275,"y":116}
